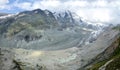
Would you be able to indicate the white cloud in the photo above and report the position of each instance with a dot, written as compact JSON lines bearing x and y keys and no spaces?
{"x":2,"y":2}
{"x":100,"y":3}
{"x":76,"y":3}
{"x":46,"y":4}
{"x":115,"y":4}
{"x":24,"y":5}
{"x":96,"y":14}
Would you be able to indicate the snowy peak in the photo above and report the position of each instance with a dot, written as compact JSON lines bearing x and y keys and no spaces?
{"x":72,"y":16}
{"x":68,"y":19}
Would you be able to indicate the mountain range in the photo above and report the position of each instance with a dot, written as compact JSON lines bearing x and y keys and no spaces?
{"x":45,"y":40}
{"x":36,"y":25}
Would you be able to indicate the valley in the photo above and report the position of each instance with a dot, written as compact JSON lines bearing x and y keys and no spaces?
{"x":42,"y":40}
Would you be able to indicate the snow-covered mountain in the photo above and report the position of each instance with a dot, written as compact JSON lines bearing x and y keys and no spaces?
{"x":71,"y":19}
{"x":42,"y":28}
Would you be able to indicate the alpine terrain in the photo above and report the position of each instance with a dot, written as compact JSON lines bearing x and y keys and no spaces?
{"x":45,"y":40}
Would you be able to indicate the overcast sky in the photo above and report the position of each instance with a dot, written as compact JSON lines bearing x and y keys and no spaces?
{"x":92,"y":10}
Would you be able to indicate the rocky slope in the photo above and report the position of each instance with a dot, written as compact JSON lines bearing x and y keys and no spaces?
{"x":109,"y":58}
{"x":66,"y":59}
